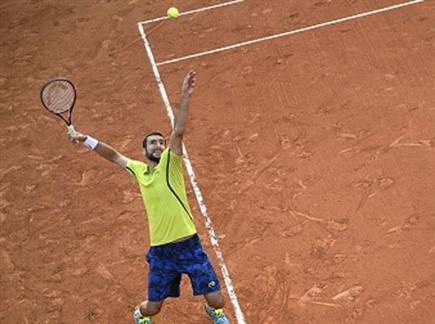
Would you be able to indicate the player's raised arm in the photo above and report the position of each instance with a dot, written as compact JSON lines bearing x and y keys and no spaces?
{"x":175,"y":143}
{"x":106,"y":151}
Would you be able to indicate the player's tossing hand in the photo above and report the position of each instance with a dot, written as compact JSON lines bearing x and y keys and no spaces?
{"x":189,"y":83}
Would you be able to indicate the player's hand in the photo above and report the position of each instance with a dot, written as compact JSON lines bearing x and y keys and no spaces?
{"x":189,"y":83}
{"x":77,"y":138}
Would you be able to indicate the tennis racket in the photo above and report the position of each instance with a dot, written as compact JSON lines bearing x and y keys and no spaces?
{"x":58,"y":96}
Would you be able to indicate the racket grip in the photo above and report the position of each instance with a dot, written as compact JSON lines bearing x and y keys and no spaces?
{"x":71,"y":131}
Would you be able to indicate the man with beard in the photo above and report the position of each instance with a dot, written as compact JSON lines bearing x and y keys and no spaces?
{"x":175,"y":247}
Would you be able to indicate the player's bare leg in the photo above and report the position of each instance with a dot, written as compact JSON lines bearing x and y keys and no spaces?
{"x":214,"y":307}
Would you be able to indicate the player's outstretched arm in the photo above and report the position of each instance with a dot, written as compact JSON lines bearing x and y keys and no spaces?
{"x":103,"y":149}
{"x":175,"y":142}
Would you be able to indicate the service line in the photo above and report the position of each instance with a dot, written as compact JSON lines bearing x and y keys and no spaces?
{"x":191,"y":11}
{"x":304,"y":29}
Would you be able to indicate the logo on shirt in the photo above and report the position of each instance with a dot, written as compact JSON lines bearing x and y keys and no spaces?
{"x":212,"y":284}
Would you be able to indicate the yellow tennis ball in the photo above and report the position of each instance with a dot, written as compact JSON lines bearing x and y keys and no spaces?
{"x":173,"y":12}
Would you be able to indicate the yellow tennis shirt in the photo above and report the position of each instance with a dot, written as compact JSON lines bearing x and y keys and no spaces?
{"x":165,"y":199}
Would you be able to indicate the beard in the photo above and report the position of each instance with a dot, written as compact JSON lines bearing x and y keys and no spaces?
{"x":153,"y":158}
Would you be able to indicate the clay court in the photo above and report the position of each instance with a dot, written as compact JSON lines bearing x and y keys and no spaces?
{"x":314,"y":153}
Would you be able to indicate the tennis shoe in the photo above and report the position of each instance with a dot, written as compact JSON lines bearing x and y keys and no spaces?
{"x":139,"y":319}
{"x":217,"y":315}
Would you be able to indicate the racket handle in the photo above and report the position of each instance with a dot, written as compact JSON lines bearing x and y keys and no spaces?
{"x":71,"y":131}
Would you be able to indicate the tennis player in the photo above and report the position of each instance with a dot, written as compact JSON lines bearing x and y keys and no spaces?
{"x":175,"y":247}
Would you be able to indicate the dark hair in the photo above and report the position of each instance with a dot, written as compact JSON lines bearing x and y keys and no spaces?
{"x":154,"y":132}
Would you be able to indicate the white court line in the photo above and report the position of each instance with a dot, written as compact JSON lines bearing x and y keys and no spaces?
{"x":333,"y":22}
{"x":208,"y":223}
{"x":191,"y":12}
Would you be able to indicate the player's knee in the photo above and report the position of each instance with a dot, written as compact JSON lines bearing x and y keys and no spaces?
{"x":149,"y":308}
{"x":217,"y":304}
{"x":215,"y":300}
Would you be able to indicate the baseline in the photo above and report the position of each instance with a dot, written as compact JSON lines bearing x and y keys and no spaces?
{"x":258,"y":40}
{"x":191,"y":12}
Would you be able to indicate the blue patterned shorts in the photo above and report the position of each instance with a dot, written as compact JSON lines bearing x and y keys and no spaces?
{"x":169,"y":261}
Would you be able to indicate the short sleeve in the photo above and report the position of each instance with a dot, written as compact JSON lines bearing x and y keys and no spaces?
{"x":177,"y":159}
{"x":170,"y":159}
{"x":135,"y":167}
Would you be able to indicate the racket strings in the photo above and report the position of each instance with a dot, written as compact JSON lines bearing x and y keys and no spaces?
{"x":59,"y":96}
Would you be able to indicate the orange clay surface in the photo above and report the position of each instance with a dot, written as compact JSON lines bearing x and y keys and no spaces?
{"x":314,"y":152}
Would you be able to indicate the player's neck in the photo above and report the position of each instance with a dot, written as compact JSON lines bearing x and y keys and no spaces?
{"x":151,"y":165}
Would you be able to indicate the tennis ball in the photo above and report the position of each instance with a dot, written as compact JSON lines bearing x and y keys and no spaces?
{"x":173,"y":12}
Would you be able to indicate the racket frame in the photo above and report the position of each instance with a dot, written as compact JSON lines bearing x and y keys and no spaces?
{"x":71,"y":131}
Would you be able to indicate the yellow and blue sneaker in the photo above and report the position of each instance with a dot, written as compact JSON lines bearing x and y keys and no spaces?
{"x":217,"y":315}
{"x":139,"y":319}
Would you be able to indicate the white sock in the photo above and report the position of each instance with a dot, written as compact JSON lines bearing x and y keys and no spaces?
{"x":137,"y":312}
